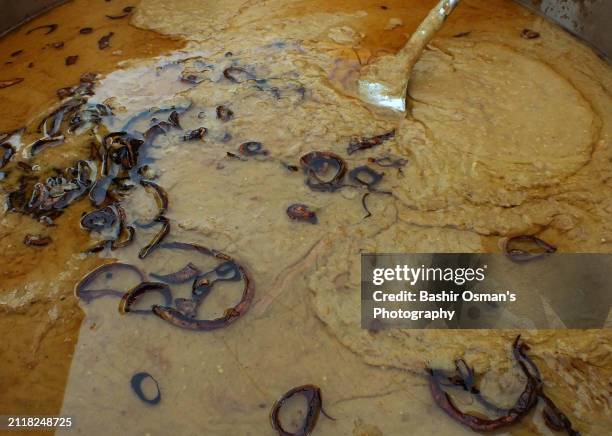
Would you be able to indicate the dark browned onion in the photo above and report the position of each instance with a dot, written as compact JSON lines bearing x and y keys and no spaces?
{"x":131,"y":296}
{"x":186,"y":320}
{"x":126,"y":12}
{"x":529,"y":34}
{"x":131,"y":232}
{"x":365,"y":205}
{"x":43,"y":143}
{"x":317,"y":166}
{"x":161,"y":197}
{"x":7,"y":152}
{"x":252,"y":148}
{"x":136,"y":383}
{"x":50,"y":28}
{"x":195,"y":134}
{"x":188,"y":272}
{"x":289,"y":167}
{"x":52,"y":123}
{"x":36,"y":240}
{"x":524,"y":248}
{"x":523,"y":405}
{"x":123,"y":148}
{"x":363,"y":143}
{"x":366,"y":176}
{"x":389,"y":161}
{"x":81,"y":292}
{"x":10,"y":82}
{"x":157,"y":239}
{"x":100,"y":246}
{"x":71,"y":60}
{"x":173,"y":119}
{"x":555,"y":419}
{"x":224,"y":113}
{"x":88,"y":77}
{"x":301,"y":212}
{"x":227,"y":271}
{"x":101,"y":219}
{"x":203,"y":284}
{"x":314,"y":400}
{"x":104,"y":42}
{"x":237,"y":74}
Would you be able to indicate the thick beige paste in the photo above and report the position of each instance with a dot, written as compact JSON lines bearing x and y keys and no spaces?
{"x":504,"y":136}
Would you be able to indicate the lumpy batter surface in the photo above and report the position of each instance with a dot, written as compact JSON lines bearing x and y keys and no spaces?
{"x":505,"y":136}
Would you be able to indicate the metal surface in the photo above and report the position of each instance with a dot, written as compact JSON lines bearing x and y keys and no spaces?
{"x":590,"y":20}
{"x":16,"y":12}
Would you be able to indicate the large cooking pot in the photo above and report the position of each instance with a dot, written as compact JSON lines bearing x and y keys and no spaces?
{"x":589,"y":21}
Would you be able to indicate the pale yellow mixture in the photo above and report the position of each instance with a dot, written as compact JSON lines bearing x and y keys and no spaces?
{"x":505,"y":136}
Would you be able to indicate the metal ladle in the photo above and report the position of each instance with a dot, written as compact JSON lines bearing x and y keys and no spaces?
{"x":384,"y":82}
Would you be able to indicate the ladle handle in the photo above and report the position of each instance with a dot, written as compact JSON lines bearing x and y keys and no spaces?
{"x":427,"y":30}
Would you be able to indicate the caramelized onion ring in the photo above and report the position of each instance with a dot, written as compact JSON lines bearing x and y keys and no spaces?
{"x":316,"y":164}
{"x":301,"y":212}
{"x":126,"y":12}
{"x":365,"y":205}
{"x":131,"y":296}
{"x":175,"y":317}
{"x":188,"y":272}
{"x":8,"y":152}
{"x":10,"y":82}
{"x":157,"y":239}
{"x":523,"y":405}
{"x":136,"y":383}
{"x":50,"y":28}
{"x":100,"y":219}
{"x":87,"y":295}
{"x":519,"y":255}
{"x":36,"y":240}
{"x":529,"y":34}
{"x":161,"y":196}
{"x":196,"y":134}
{"x":173,"y":119}
{"x":357,"y":144}
{"x":224,"y":113}
{"x":104,"y":42}
{"x":313,"y":397}
{"x":237,"y":74}
{"x":131,"y":232}
{"x":252,"y":148}
{"x":389,"y":161}
{"x":356,"y":176}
